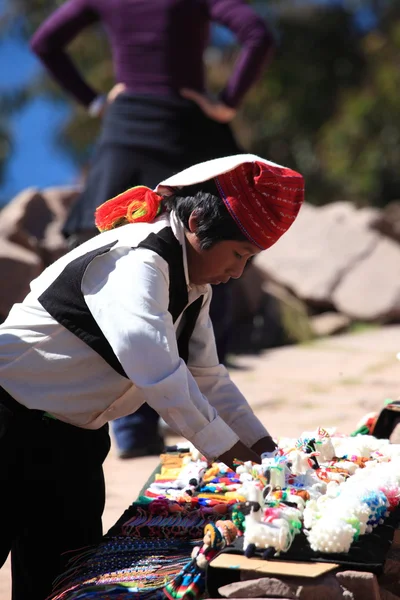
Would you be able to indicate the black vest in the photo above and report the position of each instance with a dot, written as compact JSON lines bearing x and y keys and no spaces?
{"x":64,"y":300}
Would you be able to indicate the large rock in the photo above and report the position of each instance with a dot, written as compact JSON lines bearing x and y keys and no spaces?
{"x":387,"y":221}
{"x":291,"y":312}
{"x":256,"y":318}
{"x":356,"y":585}
{"x":264,"y":587}
{"x":371,"y":289}
{"x":34,"y":218}
{"x":363,"y":585}
{"x":368,"y":216}
{"x":325,"y":587}
{"x":59,"y":200}
{"x":321,"y":246}
{"x":18,"y":266}
{"x":30,"y":238}
{"x":329,"y":323}
{"x":24,"y":219}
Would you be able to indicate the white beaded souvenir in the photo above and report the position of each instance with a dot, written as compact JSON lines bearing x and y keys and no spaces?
{"x":264,"y":535}
{"x":331,"y":535}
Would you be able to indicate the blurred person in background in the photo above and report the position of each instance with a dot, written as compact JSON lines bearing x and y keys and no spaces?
{"x":157,"y":119}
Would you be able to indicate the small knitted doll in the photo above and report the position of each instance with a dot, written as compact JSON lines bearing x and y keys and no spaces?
{"x":190,"y":582}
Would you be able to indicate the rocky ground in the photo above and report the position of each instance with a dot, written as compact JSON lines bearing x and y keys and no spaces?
{"x":331,"y":382}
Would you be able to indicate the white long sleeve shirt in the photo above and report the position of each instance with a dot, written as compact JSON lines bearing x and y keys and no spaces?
{"x":45,"y":366}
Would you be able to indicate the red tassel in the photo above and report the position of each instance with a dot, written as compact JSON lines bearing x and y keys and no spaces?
{"x":138,"y":204}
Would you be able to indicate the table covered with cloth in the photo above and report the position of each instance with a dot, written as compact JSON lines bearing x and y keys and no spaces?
{"x":152,"y":542}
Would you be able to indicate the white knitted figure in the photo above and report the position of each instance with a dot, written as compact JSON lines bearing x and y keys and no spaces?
{"x":311,"y":514}
{"x":264,"y":536}
{"x":331,"y":535}
{"x":301,"y":463}
{"x":317,"y":489}
{"x":275,"y":472}
{"x":324,"y":445}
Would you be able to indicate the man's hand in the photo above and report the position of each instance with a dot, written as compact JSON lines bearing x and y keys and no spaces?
{"x":214,"y":109}
{"x":240,"y":452}
{"x":266,"y":444}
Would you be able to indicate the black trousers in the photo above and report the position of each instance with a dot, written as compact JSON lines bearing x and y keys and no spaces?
{"x":52,"y":494}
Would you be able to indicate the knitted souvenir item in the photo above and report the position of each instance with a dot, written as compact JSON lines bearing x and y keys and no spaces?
{"x":238,"y":518}
{"x":228,"y":531}
{"x":325,"y":475}
{"x":323,"y":444}
{"x":347,"y":496}
{"x":178,"y":479}
{"x":358,"y":506}
{"x":275,"y":472}
{"x":190,"y":582}
{"x":331,"y":535}
{"x":257,"y":534}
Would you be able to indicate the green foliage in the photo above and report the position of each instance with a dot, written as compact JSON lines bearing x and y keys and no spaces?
{"x":331,"y":109}
{"x":361,"y":144}
{"x":362,"y":327}
{"x":318,"y":58}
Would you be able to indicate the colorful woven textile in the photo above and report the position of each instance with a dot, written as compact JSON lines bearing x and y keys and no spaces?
{"x":122,"y":564}
{"x":117,"y":592}
{"x":148,"y":547}
{"x":164,"y":519}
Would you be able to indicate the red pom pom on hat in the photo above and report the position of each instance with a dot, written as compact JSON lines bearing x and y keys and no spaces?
{"x":138,"y":204}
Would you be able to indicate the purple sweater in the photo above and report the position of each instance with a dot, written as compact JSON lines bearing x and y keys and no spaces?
{"x":157,"y":45}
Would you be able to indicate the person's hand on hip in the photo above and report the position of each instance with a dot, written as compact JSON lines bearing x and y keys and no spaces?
{"x":212,"y":108}
{"x":115,"y":91}
{"x":99,"y":105}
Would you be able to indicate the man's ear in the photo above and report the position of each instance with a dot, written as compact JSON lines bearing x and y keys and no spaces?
{"x":193,"y":222}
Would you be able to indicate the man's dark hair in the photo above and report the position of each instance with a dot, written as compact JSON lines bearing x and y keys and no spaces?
{"x":214,"y":223}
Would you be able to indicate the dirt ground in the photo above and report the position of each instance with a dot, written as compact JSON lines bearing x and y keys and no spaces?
{"x":332,"y":383}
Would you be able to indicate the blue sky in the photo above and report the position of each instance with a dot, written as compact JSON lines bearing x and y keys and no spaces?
{"x":35,"y":160}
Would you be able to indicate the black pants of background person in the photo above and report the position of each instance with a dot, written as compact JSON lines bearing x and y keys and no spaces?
{"x":145,"y":139}
{"x":52,"y":494}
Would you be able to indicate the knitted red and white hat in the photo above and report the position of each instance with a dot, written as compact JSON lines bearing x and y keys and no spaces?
{"x":262,"y":197}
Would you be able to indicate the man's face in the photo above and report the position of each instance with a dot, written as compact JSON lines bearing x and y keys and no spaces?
{"x":223,"y":261}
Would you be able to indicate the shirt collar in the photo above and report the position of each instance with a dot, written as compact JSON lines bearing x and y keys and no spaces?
{"x":178,"y":230}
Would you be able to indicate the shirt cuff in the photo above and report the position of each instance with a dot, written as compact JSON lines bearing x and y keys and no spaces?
{"x":249,"y":428}
{"x":214,"y":439}
{"x":96,"y":106}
